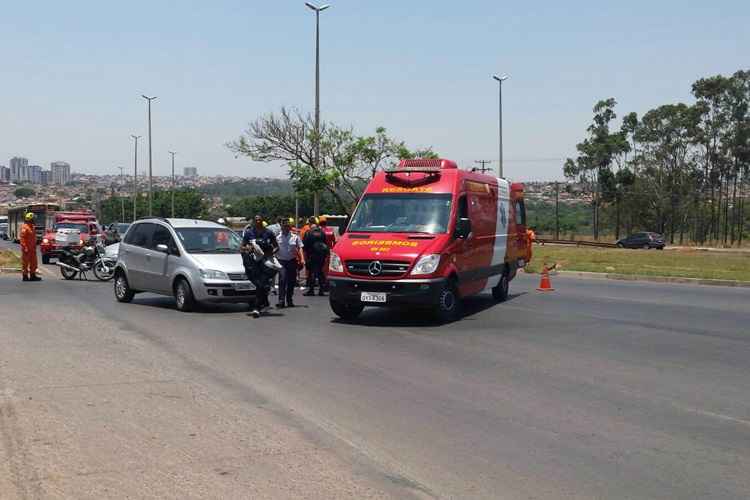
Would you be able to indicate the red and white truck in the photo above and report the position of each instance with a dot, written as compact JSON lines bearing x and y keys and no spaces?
{"x":79,"y":225}
{"x":428,"y":234}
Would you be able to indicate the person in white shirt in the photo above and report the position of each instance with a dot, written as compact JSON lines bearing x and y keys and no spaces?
{"x":290,"y":257}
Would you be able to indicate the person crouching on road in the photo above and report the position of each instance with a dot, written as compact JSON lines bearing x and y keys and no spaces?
{"x":28,"y":249}
{"x":290,"y":246}
{"x":316,"y":253}
{"x":267,"y":241}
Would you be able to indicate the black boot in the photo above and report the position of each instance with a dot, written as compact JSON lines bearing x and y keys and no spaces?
{"x":25,"y":278}
{"x":34,"y":277}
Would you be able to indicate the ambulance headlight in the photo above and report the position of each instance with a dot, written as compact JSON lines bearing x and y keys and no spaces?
{"x":427,"y":264}
{"x":335,"y":264}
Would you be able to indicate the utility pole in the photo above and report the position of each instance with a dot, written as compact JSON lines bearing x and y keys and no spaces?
{"x":557,"y":210}
{"x":318,"y":10}
{"x":173,"y":186}
{"x":500,"y":80}
{"x":483,"y":169}
{"x":135,"y":177}
{"x":122,"y":200}
{"x":150,"y":170}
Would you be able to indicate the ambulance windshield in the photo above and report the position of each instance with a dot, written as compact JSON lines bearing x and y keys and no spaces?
{"x":402,"y":213}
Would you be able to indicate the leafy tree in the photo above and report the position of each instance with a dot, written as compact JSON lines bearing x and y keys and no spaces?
{"x":24,"y":192}
{"x":346,"y":160}
{"x":189,"y":204}
{"x":597,"y":153}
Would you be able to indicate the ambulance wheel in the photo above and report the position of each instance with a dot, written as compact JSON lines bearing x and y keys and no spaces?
{"x":449,"y":303}
{"x":500,"y":292}
{"x":45,"y":259}
{"x":348,"y":312}
{"x":183,"y":296}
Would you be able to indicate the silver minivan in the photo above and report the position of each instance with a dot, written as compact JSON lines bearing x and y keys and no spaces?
{"x":193,"y":260}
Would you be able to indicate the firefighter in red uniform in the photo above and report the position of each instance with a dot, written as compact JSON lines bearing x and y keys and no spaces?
{"x":28,"y":249}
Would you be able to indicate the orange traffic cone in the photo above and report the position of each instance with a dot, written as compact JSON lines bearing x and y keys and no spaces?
{"x":546,"y":284}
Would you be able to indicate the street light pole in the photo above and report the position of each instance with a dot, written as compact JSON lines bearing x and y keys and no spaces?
{"x":318,"y":10}
{"x":172,"y":153}
{"x":500,"y":80}
{"x":122,"y":200}
{"x":135,"y":177}
{"x":150,"y":170}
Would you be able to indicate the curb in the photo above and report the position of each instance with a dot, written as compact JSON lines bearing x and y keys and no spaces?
{"x":652,"y":279}
{"x":9,"y":270}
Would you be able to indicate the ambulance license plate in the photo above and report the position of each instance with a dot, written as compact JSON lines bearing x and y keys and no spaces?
{"x":372,"y":297}
{"x":243,"y":286}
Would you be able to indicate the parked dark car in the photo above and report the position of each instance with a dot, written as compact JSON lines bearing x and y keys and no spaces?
{"x":642,"y":240}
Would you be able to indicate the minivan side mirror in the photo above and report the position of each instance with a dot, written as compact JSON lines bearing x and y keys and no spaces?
{"x":463,"y":228}
{"x":161,"y":247}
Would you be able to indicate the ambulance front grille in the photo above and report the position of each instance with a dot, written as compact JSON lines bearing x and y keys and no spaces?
{"x":389,"y":268}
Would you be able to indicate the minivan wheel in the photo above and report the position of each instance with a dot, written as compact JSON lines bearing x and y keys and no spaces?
{"x":123,"y":292}
{"x":449,"y":303}
{"x":346,"y":311}
{"x":500,"y":292}
{"x":183,"y":296}
{"x":620,"y":245}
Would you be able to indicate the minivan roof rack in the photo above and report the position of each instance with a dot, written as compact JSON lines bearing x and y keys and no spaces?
{"x":162,"y":219}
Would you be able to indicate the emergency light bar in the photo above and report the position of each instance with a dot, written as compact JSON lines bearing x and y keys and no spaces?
{"x":424,"y":165}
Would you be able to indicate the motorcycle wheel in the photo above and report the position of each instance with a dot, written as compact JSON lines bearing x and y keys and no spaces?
{"x":103,"y":271}
{"x":67,"y":273}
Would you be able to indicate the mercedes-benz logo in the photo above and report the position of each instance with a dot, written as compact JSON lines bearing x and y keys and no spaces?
{"x":376,"y":267}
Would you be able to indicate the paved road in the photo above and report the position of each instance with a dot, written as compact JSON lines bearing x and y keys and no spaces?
{"x":601,"y":389}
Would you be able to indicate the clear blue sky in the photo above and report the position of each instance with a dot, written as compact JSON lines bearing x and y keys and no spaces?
{"x":73,"y":72}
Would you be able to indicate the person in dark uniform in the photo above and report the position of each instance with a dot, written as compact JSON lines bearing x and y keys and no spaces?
{"x":253,"y":268}
{"x":316,"y":252}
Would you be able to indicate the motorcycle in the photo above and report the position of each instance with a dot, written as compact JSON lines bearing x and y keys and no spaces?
{"x":92,"y":257}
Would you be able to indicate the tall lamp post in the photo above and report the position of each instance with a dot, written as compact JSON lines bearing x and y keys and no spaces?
{"x":317,"y":10}
{"x":122,"y":200}
{"x":172,"y":153}
{"x":500,"y":80}
{"x":135,"y":177}
{"x":150,"y":170}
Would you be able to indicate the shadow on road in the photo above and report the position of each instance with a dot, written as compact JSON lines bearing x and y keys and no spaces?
{"x":380,"y":317}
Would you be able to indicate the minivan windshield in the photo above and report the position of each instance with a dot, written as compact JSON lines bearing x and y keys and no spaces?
{"x":402,"y":213}
{"x":209,"y":240}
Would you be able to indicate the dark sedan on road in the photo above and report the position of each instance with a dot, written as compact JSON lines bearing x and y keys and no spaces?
{"x":642,"y":240}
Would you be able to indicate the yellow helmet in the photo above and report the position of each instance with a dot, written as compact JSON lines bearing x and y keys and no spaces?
{"x":29,"y":216}
{"x":290,"y":220}
{"x":265,"y":224}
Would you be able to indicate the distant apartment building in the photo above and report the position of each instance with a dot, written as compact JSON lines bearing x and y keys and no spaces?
{"x":4,"y":174}
{"x":46,"y":177}
{"x":19,"y":169}
{"x":190,"y":172}
{"x":35,"y":174}
{"x":60,"y":172}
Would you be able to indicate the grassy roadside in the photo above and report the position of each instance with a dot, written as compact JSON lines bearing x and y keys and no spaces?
{"x":10,"y":259}
{"x":674,"y":263}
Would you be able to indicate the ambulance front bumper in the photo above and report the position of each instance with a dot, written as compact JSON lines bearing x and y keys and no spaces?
{"x":405,"y":292}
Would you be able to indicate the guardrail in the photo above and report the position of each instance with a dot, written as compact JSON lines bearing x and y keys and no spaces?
{"x":579,"y":243}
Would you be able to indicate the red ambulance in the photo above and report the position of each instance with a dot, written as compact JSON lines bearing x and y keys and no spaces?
{"x":428,"y":234}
